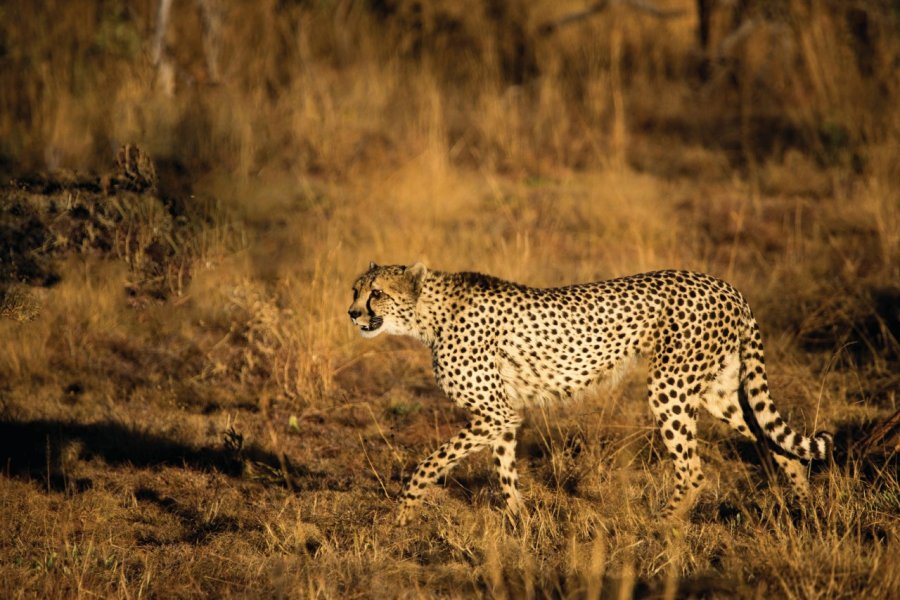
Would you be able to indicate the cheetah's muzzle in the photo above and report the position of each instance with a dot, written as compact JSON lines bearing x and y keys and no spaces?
{"x":374,"y":323}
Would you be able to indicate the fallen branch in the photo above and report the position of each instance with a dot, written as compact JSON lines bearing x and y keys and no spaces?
{"x":650,"y":8}
{"x":884,"y":438}
{"x":640,"y":5}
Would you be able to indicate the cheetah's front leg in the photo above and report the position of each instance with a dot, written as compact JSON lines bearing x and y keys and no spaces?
{"x":471,"y":438}
{"x":504,"y":451}
{"x":499,"y":433}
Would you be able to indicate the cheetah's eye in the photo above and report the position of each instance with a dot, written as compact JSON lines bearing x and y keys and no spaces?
{"x":355,"y":294}
{"x":376,"y":294}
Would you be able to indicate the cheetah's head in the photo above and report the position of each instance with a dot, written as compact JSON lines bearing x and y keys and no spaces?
{"x":384,"y":299}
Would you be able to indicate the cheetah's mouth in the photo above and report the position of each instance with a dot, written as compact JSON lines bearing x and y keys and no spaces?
{"x":374,"y":323}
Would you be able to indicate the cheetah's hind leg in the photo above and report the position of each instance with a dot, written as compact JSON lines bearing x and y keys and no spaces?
{"x":796,"y":473}
{"x":675,"y":410}
{"x":723,"y":401}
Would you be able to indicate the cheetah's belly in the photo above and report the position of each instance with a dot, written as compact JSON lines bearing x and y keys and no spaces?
{"x":531,"y":378}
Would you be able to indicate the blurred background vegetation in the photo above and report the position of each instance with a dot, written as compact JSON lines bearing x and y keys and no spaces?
{"x":334,"y":87}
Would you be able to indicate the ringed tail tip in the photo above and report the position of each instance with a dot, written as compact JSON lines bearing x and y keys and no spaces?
{"x":826,"y":445}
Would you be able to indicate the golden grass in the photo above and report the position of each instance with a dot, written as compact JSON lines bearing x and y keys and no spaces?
{"x":233,"y":436}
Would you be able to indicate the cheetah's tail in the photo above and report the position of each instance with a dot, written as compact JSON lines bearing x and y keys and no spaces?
{"x":756,"y":388}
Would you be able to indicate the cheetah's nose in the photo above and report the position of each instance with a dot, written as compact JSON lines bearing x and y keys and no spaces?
{"x":353,"y":313}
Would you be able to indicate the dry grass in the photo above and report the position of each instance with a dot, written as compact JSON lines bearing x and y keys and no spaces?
{"x":188,"y":412}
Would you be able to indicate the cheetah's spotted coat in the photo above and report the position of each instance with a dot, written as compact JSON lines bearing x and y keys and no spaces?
{"x":499,"y":346}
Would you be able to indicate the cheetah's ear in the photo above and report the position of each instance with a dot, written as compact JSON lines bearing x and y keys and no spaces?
{"x":372,"y":266}
{"x":416,"y":271}
{"x":417,"y":274}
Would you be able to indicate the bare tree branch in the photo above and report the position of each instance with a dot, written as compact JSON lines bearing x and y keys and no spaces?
{"x":648,"y":7}
{"x":737,"y":36}
{"x":598,"y":7}
{"x":162,"y":22}
{"x":551,"y":26}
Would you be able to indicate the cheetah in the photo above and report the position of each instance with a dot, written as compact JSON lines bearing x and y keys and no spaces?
{"x":498,"y":347}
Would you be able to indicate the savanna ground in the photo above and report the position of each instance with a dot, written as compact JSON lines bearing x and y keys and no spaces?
{"x":185,"y":409}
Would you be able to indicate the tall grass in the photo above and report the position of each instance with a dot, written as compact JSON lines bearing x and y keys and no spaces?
{"x":333,"y":88}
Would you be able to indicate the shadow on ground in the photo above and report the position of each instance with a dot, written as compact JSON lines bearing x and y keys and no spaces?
{"x":41,"y":450}
{"x":198,"y":530}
